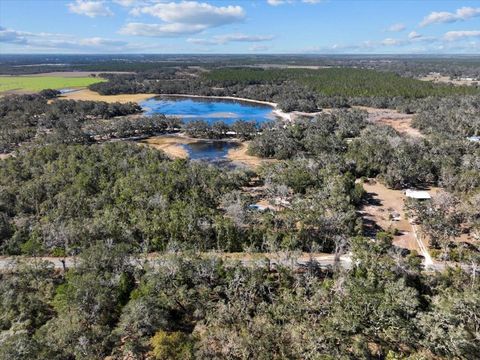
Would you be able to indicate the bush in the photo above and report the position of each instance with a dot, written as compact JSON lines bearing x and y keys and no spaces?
{"x":172,"y":345}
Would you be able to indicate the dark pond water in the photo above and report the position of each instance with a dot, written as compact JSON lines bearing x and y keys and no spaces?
{"x":209,"y":110}
{"x":209,"y":150}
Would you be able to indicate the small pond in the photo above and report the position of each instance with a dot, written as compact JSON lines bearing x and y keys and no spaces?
{"x":209,"y":150}
{"x":209,"y":110}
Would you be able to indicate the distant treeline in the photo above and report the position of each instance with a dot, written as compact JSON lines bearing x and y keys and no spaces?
{"x":409,"y":66}
{"x":293,"y":89}
{"x":346,"y":82}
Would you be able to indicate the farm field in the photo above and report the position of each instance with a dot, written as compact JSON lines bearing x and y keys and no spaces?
{"x":37,"y":83}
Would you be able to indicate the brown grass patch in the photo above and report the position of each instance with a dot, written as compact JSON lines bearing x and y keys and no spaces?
{"x":399,"y":121}
{"x":239,"y":155}
{"x":90,"y":95}
{"x":171,"y":145}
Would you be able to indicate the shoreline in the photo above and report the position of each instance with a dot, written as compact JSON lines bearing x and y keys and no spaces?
{"x":272,"y":104}
{"x":239,"y":155}
{"x":286,"y":116}
{"x":86,"y":94}
{"x":172,"y":146}
{"x":276,"y":110}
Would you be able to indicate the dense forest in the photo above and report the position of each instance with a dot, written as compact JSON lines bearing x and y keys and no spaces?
{"x":293,"y":89}
{"x":150,"y":245}
{"x":58,"y":199}
{"x":346,"y":82}
{"x":202,"y":308}
{"x":29,"y":117}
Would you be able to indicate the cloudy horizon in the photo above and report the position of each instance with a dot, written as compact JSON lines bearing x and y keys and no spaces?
{"x":256,"y":27}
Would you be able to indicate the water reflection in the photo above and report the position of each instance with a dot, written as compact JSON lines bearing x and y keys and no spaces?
{"x":209,"y":150}
{"x":209,"y":110}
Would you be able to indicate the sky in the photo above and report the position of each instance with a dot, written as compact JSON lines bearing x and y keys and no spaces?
{"x":240,"y":26}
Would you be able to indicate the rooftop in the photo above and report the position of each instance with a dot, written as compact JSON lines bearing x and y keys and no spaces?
{"x":417,"y":194}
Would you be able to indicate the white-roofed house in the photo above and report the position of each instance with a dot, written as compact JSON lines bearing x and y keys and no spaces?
{"x":417,"y":194}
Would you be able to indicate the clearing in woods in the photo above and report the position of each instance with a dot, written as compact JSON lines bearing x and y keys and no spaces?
{"x":385,"y":211}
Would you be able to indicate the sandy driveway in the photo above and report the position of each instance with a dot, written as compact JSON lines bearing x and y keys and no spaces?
{"x":385,"y":209}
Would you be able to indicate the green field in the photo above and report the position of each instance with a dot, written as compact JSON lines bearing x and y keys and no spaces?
{"x":37,"y":83}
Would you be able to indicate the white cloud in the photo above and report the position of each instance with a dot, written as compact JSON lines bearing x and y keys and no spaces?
{"x":161,"y":30}
{"x":138,"y":3}
{"x":414,"y":35}
{"x":125,"y":3}
{"x":392,"y":42}
{"x":276,"y":2}
{"x":188,"y":17}
{"x":396,"y":27}
{"x":228,"y":38}
{"x":13,"y":36}
{"x":89,"y":8}
{"x":411,"y":43}
{"x":192,"y":12}
{"x":42,"y":41}
{"x":100,"y":42}
{"x":461,"y":14}
{"x":460,"y":35}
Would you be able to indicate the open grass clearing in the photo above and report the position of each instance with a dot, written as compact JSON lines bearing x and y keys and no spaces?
{"x":37,"y":83}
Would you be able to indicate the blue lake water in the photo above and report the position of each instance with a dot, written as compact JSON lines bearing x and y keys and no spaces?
{"x":209,"y":150}
{"x":209,"y":110}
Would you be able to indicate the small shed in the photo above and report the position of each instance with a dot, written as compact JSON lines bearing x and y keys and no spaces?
{"x":417,"y":194}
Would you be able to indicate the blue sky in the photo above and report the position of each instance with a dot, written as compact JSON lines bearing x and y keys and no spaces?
{"x":242,"y":26}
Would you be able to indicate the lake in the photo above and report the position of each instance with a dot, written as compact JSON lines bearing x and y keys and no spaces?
{"x":209,"y":150}
{"x":209,"y":110}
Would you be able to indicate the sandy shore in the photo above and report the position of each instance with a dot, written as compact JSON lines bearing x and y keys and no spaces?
{"x":272,"y":104}
{"x":239,"y":155}
{"x":170,"y":144}
{"x":86,"y":94}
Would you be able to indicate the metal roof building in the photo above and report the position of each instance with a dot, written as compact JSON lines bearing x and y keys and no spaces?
{"x":417,"y":194}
